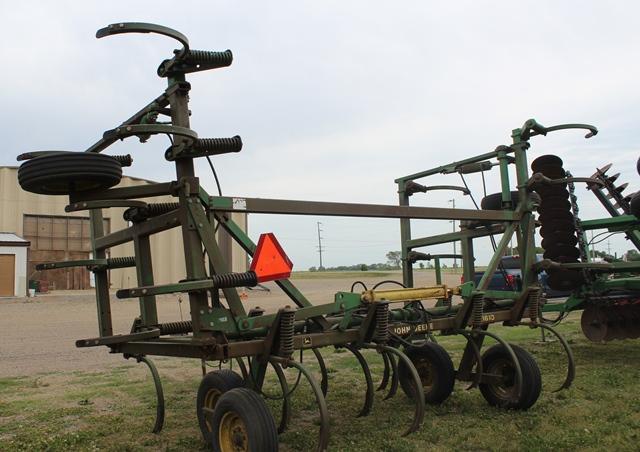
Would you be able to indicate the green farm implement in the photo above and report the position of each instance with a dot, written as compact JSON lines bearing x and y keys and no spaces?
{"x":607,"y":292}
{"x":397,"y":323}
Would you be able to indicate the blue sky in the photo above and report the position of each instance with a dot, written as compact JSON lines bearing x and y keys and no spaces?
{"x":334,"y":100}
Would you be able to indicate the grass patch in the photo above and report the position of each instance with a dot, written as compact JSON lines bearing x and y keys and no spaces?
{"x":114,"y":410}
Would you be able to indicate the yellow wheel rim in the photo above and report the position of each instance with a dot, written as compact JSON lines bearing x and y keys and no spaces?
{"x":425,"y":372}
{"x":210,"y":401}
{"x":232,"y":433}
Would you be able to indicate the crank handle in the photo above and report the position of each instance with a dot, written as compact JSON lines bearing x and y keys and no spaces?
{"x":532,"y":128}
{"x":141,"y":27}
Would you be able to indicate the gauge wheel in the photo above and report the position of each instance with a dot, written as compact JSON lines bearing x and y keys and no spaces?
{"x":63,"y":173}
{"x":243,"y":423}
{"x":494,"y":201}
{"x":503,"y":391}
{"x":634,"y":206}
{"x":212,"y":386}
{"x":435,"y":370}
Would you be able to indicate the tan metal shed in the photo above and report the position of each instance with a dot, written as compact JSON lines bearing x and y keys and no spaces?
{"x":13,"y":265}
{"x":58,"y":235}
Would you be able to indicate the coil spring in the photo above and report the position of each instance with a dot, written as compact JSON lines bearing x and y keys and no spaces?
{"x":381,"y":333}
{"x":119,"y":262}
{"x":477,"y":306}
{"x":246,"y":279}
{"x":182,"y":327}
{"x":534,"y":303}
{"x":208,"y":57}
{"x":219,"y":145}
{"x":285,"y":347}
{"x":123,"y":160}
{"x":155,"y":209}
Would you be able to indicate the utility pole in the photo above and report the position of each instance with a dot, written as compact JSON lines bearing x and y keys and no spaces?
{"x":320,"y":245}
{"x":455,"y":261}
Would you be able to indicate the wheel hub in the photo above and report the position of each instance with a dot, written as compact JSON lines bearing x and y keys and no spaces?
{"x":232,"y":434}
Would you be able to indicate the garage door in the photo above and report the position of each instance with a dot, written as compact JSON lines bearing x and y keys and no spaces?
{"x":7,"y":275}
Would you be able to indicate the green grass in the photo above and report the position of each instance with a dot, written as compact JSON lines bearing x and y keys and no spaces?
{"x":114,"y":410}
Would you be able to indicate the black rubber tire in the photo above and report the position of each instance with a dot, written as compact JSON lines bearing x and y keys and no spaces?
{"x":69,"y":172}
{"x":494,"y":201}
{"x":638,"y":165}
{"x":253,"y":413}
{"x":497,"y":356}
{"x":219,"y":381}
{"x":634,"y":205}
{"x":435,"y":369}
{"x":543,"y":161}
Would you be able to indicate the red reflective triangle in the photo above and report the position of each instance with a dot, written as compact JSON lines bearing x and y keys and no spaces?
{"x":270,"y":261}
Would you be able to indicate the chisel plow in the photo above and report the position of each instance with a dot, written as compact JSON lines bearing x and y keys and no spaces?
{"x":399,"y":323}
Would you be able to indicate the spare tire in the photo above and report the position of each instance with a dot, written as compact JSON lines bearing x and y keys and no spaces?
{"x":494,"y":201}
{"x":63,"y":173}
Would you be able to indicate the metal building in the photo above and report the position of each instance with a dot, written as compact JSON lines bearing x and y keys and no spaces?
{"x":57,"y":235}
{"x":13,"y":265}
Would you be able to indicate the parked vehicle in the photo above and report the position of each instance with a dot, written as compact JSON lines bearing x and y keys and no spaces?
{"x":509,"y":277}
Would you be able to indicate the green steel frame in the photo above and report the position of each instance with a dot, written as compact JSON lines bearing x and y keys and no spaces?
{"x":223,"y":331}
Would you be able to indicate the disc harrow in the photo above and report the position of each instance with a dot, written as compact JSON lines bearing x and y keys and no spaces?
{"x":398,"y":324}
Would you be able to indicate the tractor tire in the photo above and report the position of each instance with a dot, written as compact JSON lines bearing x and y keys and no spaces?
{"x":242,"y":420}
{"x":496,"y":360}
{"x":634,"y":205}
{"x":435,"y":369}
{"x":64,"y":173}
{"x":211,"y":388}
{"x":494,"y":201}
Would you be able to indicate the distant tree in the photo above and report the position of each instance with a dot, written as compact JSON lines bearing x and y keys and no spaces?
{"x":394,"y":257}
{"x":602,"y":255}
{"x":313,"y":269}
{"x":633,"y":255}
{"x":364,"y":267}
{"x":421,"y":265}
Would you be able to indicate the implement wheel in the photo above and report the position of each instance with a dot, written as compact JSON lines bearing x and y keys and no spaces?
{"x":635,"y":205}
{"x":497,"y":362}
{"x":69,"y":172}
{"x":242,"y":422}
{"x":435,"y":369}
{"x":494,"y":201}
{"x":212,"y":387}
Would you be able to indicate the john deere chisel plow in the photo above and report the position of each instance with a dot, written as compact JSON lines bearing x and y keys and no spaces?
{"x":396,"y":323}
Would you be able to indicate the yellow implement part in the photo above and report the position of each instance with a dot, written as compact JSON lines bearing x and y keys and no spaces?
{"x":419,"y":293}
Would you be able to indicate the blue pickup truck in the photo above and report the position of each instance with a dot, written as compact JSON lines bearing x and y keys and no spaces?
{"x":511,"y":278}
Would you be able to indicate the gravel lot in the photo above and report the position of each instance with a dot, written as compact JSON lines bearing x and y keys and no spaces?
{"x":38,"y":334}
